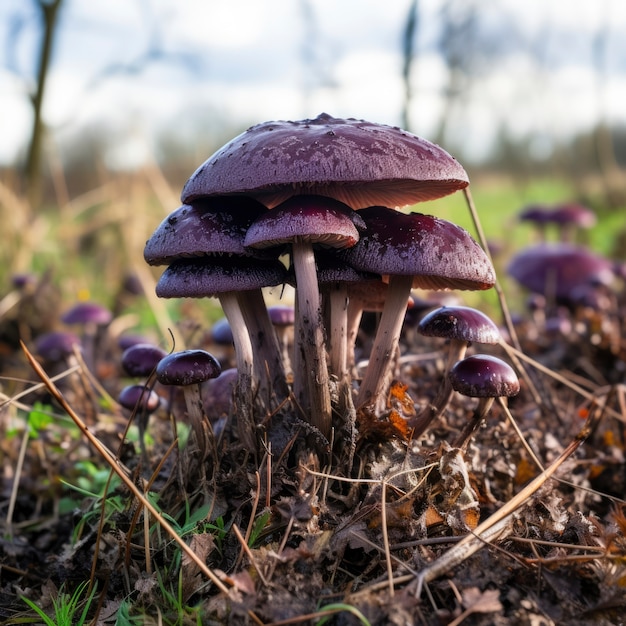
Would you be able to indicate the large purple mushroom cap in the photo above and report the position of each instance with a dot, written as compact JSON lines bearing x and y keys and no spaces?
{"x":187,"y":367}
{"x":209,"y":227}
{"x":484,"y":376}
{"x":357,"y":162}
{"x":557,"y":269}
{"x":438,"y":253}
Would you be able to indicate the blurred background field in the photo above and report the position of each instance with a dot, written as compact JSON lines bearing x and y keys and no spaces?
{"x":107,"y":111}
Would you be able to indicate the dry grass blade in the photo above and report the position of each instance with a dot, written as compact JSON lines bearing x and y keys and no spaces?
{"x":115,"y":466}
{"x":497,"y":523}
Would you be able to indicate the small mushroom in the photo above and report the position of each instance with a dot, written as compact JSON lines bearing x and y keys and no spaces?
{"x":89,"y":316}
{"x":555,"y":270}
{"x":461,"y":326}
{"x":141,"y":401}
{"x":283,"y":320}
{"x":141,"y":359}
{"x":484,"y":377}
{"x":570,"y":218}
{"x":189,"y":369}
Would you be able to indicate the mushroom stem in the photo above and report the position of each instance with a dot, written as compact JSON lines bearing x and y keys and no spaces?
{"x":309,"y":338}
{"x":480,"y":412}
{"x":267,"y":352}
{"x":338,"y":336}
{"x":355,"y":313}
{"x":200,"y":423}
{"x":419,"y":423}
{"x":246,"y":384}
{"x":379,"y":368}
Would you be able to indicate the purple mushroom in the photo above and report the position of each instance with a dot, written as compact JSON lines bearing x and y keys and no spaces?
{"x":486,"y":378}
{"x":300,"y":224}
{"x":461,"y":326}
{"x":413,"y":251}
{"x":357,"y":162}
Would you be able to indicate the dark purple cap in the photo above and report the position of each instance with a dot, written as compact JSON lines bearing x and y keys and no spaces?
{"x":221,"y":332}
{"x":141,"y":359}
{"x":539,"y":214}
{"x":437,"y":253}
{"x":319,"y":220}
{"x":219,"y":393}
{"x":140,"y":398}
{"x":484,"y":376}
{"x":460,"y":322}
{"x":56,"y":345}
{"x":556,"y":269}
{"x":574,"y":214}
{"x":87,"y":313}
{"x":281,"y":314}
{"x":354,"y":161}
{"x":187,"y":367}
{"x":215,"y":226}
{"x":199,"y":278}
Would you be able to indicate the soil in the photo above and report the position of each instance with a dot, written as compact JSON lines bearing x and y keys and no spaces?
{"x":300,"y":531}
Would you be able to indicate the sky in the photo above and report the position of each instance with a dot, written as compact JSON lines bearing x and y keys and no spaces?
{"x":240,"y":62}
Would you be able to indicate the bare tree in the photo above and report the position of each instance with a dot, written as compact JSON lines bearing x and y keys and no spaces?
{"x":408,"y":56}
{"x":48,"y":14}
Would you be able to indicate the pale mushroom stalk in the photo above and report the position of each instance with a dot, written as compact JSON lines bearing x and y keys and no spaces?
{"x":265,"y":346}
{"x":309,"y":339}
{"x":338,"y":348}
{"x":379,"y":369}
{"x":244,"y":355}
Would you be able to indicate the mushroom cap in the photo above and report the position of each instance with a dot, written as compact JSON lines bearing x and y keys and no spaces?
{"x":141,"y":359}
{"x":139,"y":397}
{"x":357,"y":162}
{"x":575,"y":214}
{"x":460,"y":322}
{"x":206,"y":277}
{"x":208,"y":227}
{"x":282,"y":314}
{"x":556,"y":269}
{"x":87,"y":313}
{"x":536,"y":213}
{"x":187,"y":367}
{"x":437,"y":253}
{"x":221,"y":332}
{"x":56,"y":345}
{"x":316,"y":219}
{"x":483,"y":376}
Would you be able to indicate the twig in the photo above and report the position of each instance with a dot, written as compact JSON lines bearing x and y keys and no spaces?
{"x":114,"y":463}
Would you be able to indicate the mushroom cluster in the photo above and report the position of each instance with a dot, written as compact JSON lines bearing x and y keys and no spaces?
{"x":316,"y":203}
